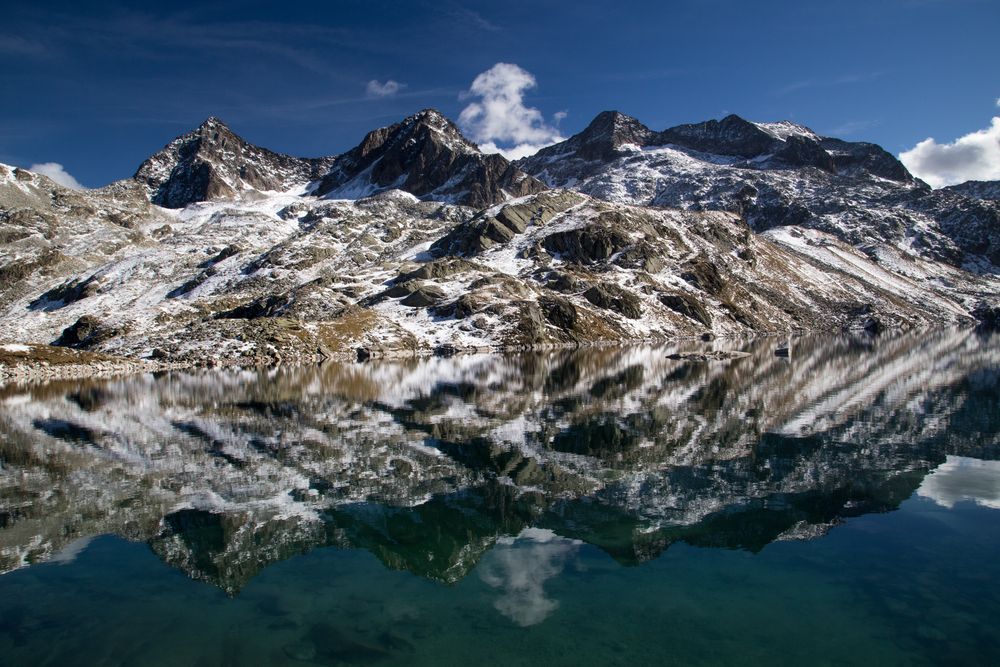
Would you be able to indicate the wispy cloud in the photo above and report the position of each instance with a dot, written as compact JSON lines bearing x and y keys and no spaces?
{"x":470,"y":19}
{"x":975,"y":156}
{"x":146,"y":36}
{"x":16,"y":45}
{"x":646,"y":75}
{"x":499,"y":114}
{"x":842,"y":80}
{"x":850,"y":128}
{"x":57,"y":173}
{"x":376,"y":88}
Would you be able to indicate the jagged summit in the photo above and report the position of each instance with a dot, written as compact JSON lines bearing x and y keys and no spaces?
{"x":212,"y":122}
{"x":989,"y":190}
{"x":213,"y":162}
{"x":773,"y":174}
{"x":730,"y":136}
{"x":426,"y":155}
{"x":606,"y":134}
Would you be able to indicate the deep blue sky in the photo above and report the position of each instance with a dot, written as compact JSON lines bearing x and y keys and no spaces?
{"x":100,"y":86}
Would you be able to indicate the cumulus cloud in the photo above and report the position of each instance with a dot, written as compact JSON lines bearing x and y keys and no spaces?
{"x":57,"y":173}
{"x":376,"y":88}
{"x":520,"y":567}
{"x":962,"y":479}
{"x":976,"y":156}
{"x":499,"y":121}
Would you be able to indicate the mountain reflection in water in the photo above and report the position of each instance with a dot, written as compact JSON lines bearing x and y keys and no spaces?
{"x":434,"y":465}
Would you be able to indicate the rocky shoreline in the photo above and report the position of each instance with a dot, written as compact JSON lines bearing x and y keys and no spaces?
{"x":31,"y":363}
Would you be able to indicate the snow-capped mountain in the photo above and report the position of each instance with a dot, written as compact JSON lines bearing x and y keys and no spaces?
{"x":415,"y":241}
{"x":775,"y":175}
{"x":212,"y":162}
{"x":977,"y":189}
{"x":426,"y":155}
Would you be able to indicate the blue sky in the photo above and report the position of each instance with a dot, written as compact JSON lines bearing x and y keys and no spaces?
{"x":97,"y":87}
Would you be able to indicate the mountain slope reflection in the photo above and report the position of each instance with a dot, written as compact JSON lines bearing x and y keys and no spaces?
{"x":428,"y":463}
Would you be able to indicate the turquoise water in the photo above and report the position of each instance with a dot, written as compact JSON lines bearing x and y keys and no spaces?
{"x":839,"y":507}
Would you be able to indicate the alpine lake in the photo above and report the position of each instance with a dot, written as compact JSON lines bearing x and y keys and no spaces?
{"x":837,"y":503}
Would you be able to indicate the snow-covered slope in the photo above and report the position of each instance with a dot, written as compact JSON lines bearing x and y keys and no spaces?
{"x":296,"y":277}
{"x":977,"y":189}
{"x":415,"y":241}
{"x":775,"y":175}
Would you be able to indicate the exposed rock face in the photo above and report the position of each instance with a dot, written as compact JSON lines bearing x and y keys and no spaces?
{"x":776,"y":175}
{"x":977,"y":189}
{"x":605,"y":135}
{"x":50,"y":234}
{"x":427,"y":156}
{"x":416,"y":242}
{"x":492,"y":228}
{"x":212,"y":162}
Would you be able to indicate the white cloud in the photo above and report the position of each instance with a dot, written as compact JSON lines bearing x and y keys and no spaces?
{"x":519,"y":567}
{"x":378,"y":89}
{"x":960,"y":478}
{"x":976,"y":156}
{"x":57,"y":173}
{"x":499,"y":122}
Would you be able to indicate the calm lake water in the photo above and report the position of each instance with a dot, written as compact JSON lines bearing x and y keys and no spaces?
{"x":602,"y":507}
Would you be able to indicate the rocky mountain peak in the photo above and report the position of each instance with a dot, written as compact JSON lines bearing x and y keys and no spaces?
{"x":601,"y":140}
{"x":426,"y":155}
{"x":213,"y":122}
{"x":730,"y":136}
{"x":989,"y":190}
{"x":617,"y":126}
{"x":213,"y":162}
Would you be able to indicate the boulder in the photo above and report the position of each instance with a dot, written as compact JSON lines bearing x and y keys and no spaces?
{"x":612,"y":297}
{"x":86,"y":332}
{"x":587,"y":245}
{"x":687,"y":306}
{"x":559,"y":312}
{"x":988,"y":315}
{"x":423,"y":296}
{"x":703,"y":274}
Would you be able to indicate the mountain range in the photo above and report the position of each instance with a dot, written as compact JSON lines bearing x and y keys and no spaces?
{"x":416,"y":241}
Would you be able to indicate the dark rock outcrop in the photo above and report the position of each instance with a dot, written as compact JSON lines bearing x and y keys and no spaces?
{"x":488,"y":230}
{"x":687,"y":306}
{"x":976,"y":189}
{"x":602,"y":139}
{"x":988,"y":315}
{"x":85,"y":333}
{"x":586,"y":245}
{"x":427,"y":156}
{"x":423,"y":296}
{"x":67,"y":293}
{"x":730,"y":136}
{"x":612,"y":297}
{"x":212,"y":162}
